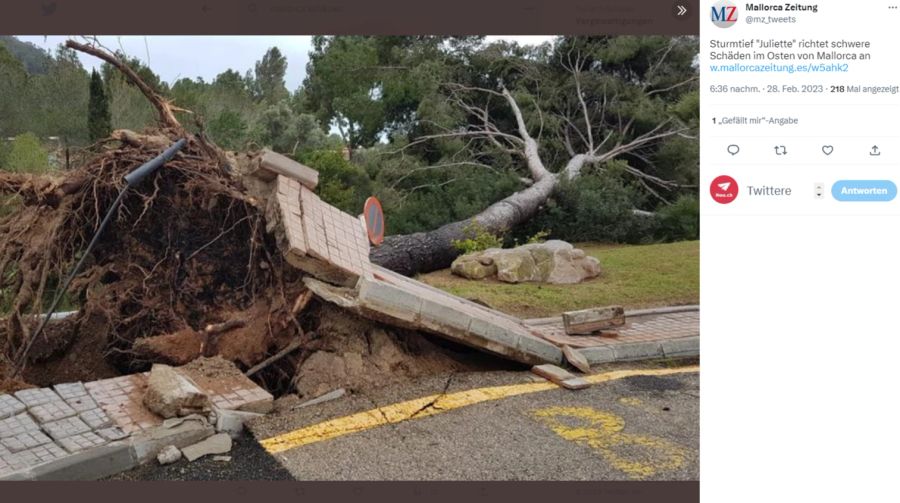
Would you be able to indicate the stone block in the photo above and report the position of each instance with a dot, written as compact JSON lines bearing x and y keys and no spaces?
{"x":168,"y":393}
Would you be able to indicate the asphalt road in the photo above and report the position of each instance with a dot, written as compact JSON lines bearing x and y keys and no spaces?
{"x":249,"y":461}
{"x":644,"y":427}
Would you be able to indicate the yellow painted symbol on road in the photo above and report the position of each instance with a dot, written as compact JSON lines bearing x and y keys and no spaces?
{"x":638,"y":456}
{"x":631,"y":401}
{"x":431,"y":405}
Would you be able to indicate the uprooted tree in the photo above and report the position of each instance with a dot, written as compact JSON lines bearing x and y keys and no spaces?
{"x":591,"y":103}
{"x":187,"y":249}
{"x":190,"y":266}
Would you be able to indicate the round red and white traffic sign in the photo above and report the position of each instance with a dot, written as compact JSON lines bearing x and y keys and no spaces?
{"x":723,"y":189}
{"x":374,"y":217}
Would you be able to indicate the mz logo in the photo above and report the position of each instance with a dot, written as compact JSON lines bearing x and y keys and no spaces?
{"x":724,"y":14}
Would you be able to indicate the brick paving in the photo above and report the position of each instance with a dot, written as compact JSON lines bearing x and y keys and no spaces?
{"x":316,"y":229}
{"x":640,"y":328}
{"x":43,"y":424}
{"x":10,"y":406}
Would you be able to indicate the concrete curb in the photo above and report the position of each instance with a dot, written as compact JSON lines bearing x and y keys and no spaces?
{"x":116,"y":457}
{"x":684,"y":347}
{"x":635,"y":313}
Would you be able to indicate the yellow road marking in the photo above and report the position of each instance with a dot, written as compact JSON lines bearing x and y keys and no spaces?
{"x":432,"y":405}
{"x":638,"y":456}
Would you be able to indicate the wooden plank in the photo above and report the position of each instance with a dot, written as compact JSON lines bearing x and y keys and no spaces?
{"x":272,"y":164}
{"x":560,"y":376}
{"x":589,"y":321}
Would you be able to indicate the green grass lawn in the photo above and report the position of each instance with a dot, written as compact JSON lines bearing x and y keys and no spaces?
{"x":633,"y":276}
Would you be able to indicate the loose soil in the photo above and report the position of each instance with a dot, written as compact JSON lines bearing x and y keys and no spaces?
{"x":188,"y":248}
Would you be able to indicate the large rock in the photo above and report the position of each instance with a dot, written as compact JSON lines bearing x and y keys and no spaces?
{"x":169,"y":394}
{"x":551,"y":262}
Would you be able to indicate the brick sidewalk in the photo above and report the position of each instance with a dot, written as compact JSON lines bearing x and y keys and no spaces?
{"x":638,"y":328}
{"x":45,"y":424}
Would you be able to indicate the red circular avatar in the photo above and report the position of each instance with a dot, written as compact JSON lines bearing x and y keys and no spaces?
{"x":374,"y":216}
{"x":723,"y":189}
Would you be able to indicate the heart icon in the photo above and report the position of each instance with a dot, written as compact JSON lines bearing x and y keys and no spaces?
{"x":827,"y":149}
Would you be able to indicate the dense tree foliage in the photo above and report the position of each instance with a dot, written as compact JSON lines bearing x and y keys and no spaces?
{"x":403,"y":106}
{"x":99,"y":119}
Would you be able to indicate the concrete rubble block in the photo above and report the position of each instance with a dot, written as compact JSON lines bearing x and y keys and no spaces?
{"x":589,"y":321}
{"x":273,"y":164}
{"x":36,"y":396}
{"x":219,"y":443}
{"x":168,"y":455}
{"x":16,"y":425}
{"x":389,"y":300}
{"x":169,"y":393}
{"x":222,"y":459}
{"x":560,"y":376}
{"x":232,"y":421}
{"x":24,"y":441}
{"x":51,"y":411}
{"x":82,"y":442}
{"x":65,"y":428}
{"x":575,"y":383}
{"x":147,"y":445}
{"x":10,"y":406}
{"x":576,"y":359}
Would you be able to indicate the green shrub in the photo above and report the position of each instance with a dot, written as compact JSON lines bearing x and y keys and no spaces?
{"x":26,"y":155}
{"x":595,"y":207}
{"x":478,"y":239}
{"x":341,"y":183}
{"x":680,"y":221}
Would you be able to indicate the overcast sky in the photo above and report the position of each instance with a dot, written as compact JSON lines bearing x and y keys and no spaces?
{"x":175,"y":57}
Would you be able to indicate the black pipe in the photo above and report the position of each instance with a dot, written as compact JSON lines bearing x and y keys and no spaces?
{"x":136,"y":176}
{"x":131,"y":179}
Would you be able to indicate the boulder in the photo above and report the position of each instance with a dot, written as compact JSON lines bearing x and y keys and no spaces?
{"x":473,"y":266}
{"x":554,"y":262}
{"x":170,"y":394}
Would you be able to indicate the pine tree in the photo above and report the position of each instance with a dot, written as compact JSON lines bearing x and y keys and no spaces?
{"x":99,"y":120}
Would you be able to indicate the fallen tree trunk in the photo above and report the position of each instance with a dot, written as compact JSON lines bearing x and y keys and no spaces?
{"x":429,"y":251}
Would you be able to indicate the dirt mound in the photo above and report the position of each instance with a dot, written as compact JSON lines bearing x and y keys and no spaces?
{"x":186,"y":251}
{"x":350,"y":352}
